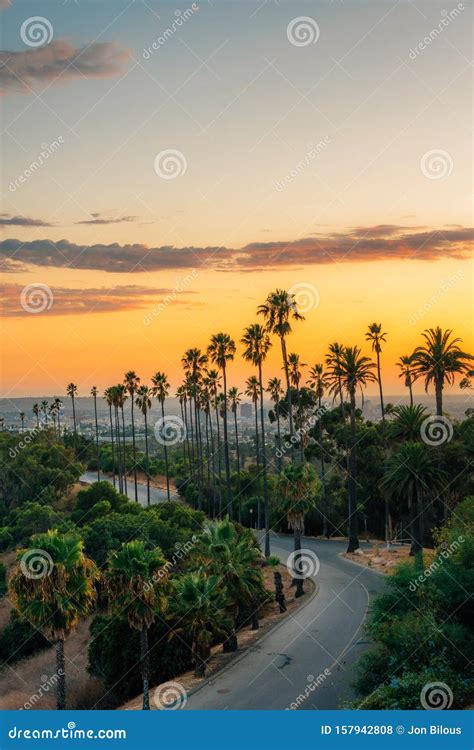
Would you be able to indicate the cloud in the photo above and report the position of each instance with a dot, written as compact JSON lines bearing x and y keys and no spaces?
{"x":7,"y":220}
{"x":350,"y":247}
{"x":98,"y":219}
{"x":66,"y":301}
{"x":58,"y":62}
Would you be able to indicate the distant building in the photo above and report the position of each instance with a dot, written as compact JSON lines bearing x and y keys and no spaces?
{"x":246,"y":410}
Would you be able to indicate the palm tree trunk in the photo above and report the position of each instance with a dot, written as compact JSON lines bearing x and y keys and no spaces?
{"x":385,"y":494}
{"x":166,"y":453}
{"x":145,"y":667}
{"x":279,"y":439}
{"x":193,"y":463}
{"x":124,"y":454}
{"x":219,"y":463}
{"x":266,"y":510}
{"x":147,"y":461}
{"x":439,"y":398}
{"x":352,"y":486}
{"x":61,"y":683}
{"x":288,"y":387}
{"x":213,"y":467}
{"x":134,"y":449}
{"x":226,"y":450}
{"x":96,"y":438}
{"x":112,"y":440}
{"x":197,"y":418}
{"x":74,"y":417}
{"x":410,"y":388}
{"x":239,"y":486}
{"x":298,"y":401}
{"x":119,"y":450}
{"x":323,"y":472}
{"x":257,"y":456}
{"x":298,"y":580}
{"x":59,"y":426}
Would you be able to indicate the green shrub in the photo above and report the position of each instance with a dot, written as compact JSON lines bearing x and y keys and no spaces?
{"x":19,"y":639}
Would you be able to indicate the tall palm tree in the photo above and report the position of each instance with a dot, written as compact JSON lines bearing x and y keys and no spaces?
{"x":53,"y":588}
{"x":213,"y":382}
{"x":318,"y":382}
{"x":121,"y":397}
{"x":143,"y":401}
{"x":131,"y":382}
{"x":257,"y":343}
{"x":36,"y":411}
{"x":94,"y":393}
{"x":298,"y":489}
{"x":234,"y":398}
{"x":406,"y":423}
{"x":276,"y":392}
{"x":193,"y":362}
{"x":405,"y":363}
{"x":44,"y":409}
{"x":279,"y":309}
{"x":181,"y":395}
{"x":108,"y":395}
{"x":160,"y":391}
{"x":71,"y":391}
{"x":376,"y":337}
{"x":53,"y":412}
{"x":439,"y":360}
{"x":58,"y":405}
{"x":136,"y":580}
{"x":252,"y":390}
{"x":295,"y":367}
{"x":221,"y":350}
{"x":353,"y":371}
{"x":22,"y":418}
{"x":412,"y":474}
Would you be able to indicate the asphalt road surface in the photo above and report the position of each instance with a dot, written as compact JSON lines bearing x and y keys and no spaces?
{"x":325,"y":634}
{"x":156,"y":495}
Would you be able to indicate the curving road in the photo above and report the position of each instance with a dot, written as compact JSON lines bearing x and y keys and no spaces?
{"x":156,"y":495}
{"x":327,"y":633}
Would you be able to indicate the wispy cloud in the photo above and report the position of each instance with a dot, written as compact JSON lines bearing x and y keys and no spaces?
{"x":97,"y":218}
{"x":361,"y":245}
{"x":66,"y":301}
{"x":58,"y":62}
{"x":7,"y":220}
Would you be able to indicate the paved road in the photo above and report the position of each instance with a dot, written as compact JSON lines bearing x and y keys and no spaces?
{"x":325,"y":634}
{"x":156,"y":495}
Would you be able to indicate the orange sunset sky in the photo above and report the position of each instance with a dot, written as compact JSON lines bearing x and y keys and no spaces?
{"x":340,"y":167}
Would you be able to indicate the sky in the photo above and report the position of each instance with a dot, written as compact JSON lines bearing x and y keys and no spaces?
{"x":165,"y":165}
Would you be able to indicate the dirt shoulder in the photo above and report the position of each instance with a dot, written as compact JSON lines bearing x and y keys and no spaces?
{"x":383,"y":560}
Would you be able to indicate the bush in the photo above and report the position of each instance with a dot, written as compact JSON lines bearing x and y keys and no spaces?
{"x":19,"y":639}
{"x":3,"y":580}
{"x":6,"y":538}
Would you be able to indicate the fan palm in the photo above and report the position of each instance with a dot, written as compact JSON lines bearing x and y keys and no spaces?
{"x":376,"y":337}
{"x":131,"y":382}
{"x":121,"y":397}
{"x":71,"y":391}
{"x":317,"y":381}
{"x":53,"y":587}
{"x":160,"y":390}
{"x":406,"y":422}
{"x":295,"y":367}
{"x":22,"y":418}
{"x":234,"y":398}
{"x":136,"y":584}
{"x":405,"y":363}
{"x":221,"y":350}
{"x":143,"y":401}
{"x":276,"y":392}
{"x":108,"y":396}
{"x":94,"y":393}
{"x":439,"y":360}
{"x":252,"y":390}
{"x":36,"y":411}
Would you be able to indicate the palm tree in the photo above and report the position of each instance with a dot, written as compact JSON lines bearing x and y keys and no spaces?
{"x":405,"y":363}
{"x":94,"y":396}
{"x":143,"y":401}
{"x":201,"y":609}
{"x":406,"y":422}
{"x":36,"y":411}
{"x":58,"y":405}
{"x":276,"y":392}
{"x":353,"y":371}
{"x":213,"y":381}
{"x":22,"y":417}
{"x":294,"y":367}
{"x":439,"y":360}
{"x":193,"y":362}
{"x":318,"y":382}
{"x":53,"y":588}
{"x":279,"y":309}
{"x":160,"y":390}
{"x":131,"y":382}
{"x":136,"y":579}
{"x":234,"y":398}
{"x":181,"y":395}
{"x":221,"y":350}
{"x":377,"y":337}
{"x":71,"y":391}
{"x":53,"y":413}
{"x":108,"y":395}
{"x":257,"y":343}
{"x":252,"y":390}
{"x":121,"y":397}
{"x":298,"y":489}
{"x":411,"y":474}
